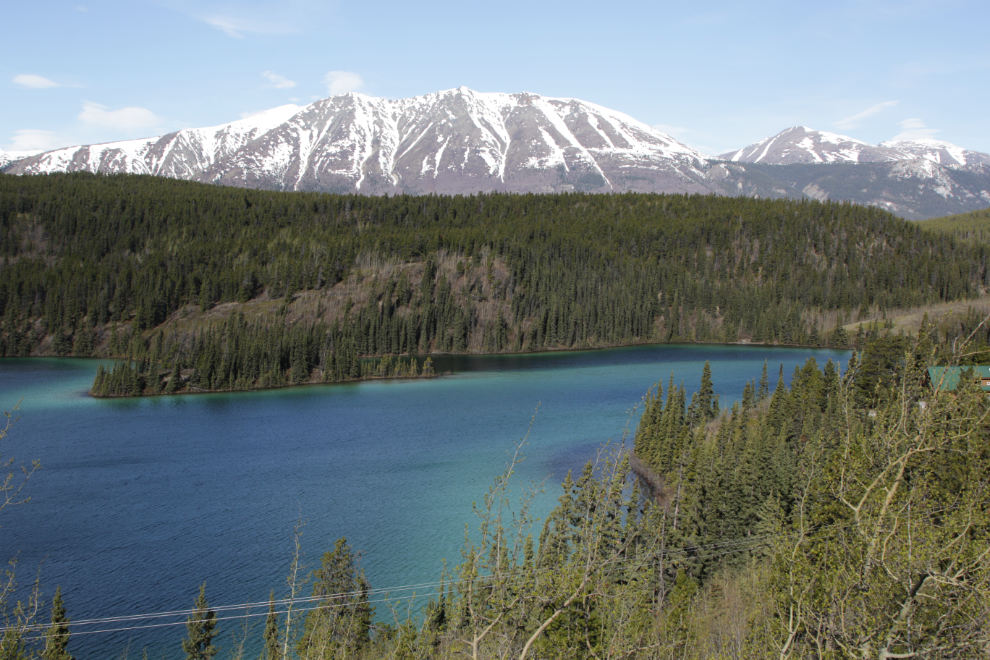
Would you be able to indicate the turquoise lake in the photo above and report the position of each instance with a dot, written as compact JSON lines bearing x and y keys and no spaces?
{"x":141,"y":500}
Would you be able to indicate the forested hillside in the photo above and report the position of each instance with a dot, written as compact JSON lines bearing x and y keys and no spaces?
{"x":973,"y":227}
{"x":231,"y":289}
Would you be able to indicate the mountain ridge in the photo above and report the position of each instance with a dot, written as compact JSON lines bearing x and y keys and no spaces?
{"x":456,"y":141}
{"x":800,"y":144}
{"x":460,"y":141}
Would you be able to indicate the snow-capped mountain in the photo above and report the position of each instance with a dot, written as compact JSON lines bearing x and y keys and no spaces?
{"x":462,"y":141}
{"x":457,"y":141}
{"x":800,"y":144}
{"x":7,"y":157}
{"x":915,"y":179}
{"x":179,"y":155}
{"x":943,"y":153}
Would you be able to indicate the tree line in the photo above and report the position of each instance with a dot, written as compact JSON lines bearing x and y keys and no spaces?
{"x":972,"y":227}
{"x":237,"y":355}
{"x":86,"y":258}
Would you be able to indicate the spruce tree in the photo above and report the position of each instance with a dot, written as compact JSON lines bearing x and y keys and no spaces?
{"x":173,"y":380}
{"x":57,"y":635}
{"x":202,"y":628}
{"x":273,"y":650}
{"x":748,"y":399}
{"x":342,"y":619}
{"x":764,"y":391}
{"x":707,"y":401}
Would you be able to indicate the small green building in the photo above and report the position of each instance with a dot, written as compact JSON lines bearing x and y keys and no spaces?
{"x":947,"y":378}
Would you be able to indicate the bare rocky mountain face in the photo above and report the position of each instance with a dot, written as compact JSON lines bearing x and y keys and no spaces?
{"x":462,"y":141}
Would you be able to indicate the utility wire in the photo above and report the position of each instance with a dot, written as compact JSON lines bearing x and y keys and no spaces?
{"x":716,"y":549}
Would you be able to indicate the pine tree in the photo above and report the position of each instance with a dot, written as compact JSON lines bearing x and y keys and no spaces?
{"x":764,"y":391}
{"x":201,"y":627}
{"x":174,"y":380}
{"x":707,"y":401}
{"x":748,"y":398}
{"x":57,"y":635}
{"x":363,"y":613}
{"x":273,"y":650}
{"x":343,"y":618}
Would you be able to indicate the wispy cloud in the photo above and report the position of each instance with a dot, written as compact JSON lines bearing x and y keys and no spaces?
{"x":915,"y":129}
{"x":341,"y":82}
{"x":674,"y":131}
{"x":32,"y":139}
{"x":125,"y":119}
{"x":238,"y":26}
{"x":277,"y":81}
{"x":32,"y":81}
{"x":856,"y":120}
{"x":241,"y":18}
{"x":679,"y":133}
{"x":244,"y":19}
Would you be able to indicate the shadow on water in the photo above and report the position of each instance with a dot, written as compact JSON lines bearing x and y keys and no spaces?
{"x":659,"y":354}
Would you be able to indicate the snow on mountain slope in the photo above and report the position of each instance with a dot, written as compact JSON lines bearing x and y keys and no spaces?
{"x":460,"y":141}
{"x":180,"y":155}
{"x":452,"y":141}
{"x":800,"y":144}
{"x":7,"y":157}
{"x":938,"y":151}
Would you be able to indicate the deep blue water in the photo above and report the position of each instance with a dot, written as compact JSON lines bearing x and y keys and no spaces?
{"x":141,"y":500}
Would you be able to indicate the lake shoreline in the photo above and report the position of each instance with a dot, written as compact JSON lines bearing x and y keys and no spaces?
{"x":583,"y":349}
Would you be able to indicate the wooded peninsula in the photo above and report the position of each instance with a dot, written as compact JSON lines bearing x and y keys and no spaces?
{"x":205,"y":288}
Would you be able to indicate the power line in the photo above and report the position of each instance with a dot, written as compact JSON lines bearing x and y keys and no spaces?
{"x":248,"y":615}
{"x":727,"y":547}
{"x":718,"y":549}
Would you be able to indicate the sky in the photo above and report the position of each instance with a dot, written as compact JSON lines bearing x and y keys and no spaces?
{"x":717,"y":75}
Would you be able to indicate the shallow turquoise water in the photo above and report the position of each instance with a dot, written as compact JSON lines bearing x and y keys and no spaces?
{"x":141,"y":500}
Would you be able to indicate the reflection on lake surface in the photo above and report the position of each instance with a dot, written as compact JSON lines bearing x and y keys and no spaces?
{"x":141,"y":500}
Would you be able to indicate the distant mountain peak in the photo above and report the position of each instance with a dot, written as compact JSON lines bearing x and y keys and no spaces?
{"x":7,"y":157}
{"x":456,"y":140}
{"x":801,"y":144}
{"x":941,"y":152}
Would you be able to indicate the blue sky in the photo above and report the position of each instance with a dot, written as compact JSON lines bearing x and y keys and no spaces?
{"x":716,"y":75}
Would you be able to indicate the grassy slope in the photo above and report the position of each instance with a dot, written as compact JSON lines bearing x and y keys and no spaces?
{"x":908,"y":320}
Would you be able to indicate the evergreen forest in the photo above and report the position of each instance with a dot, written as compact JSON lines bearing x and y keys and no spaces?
{"x":973,"y":226}
{"x":201,"y":288}
{"x":844,"y":515}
